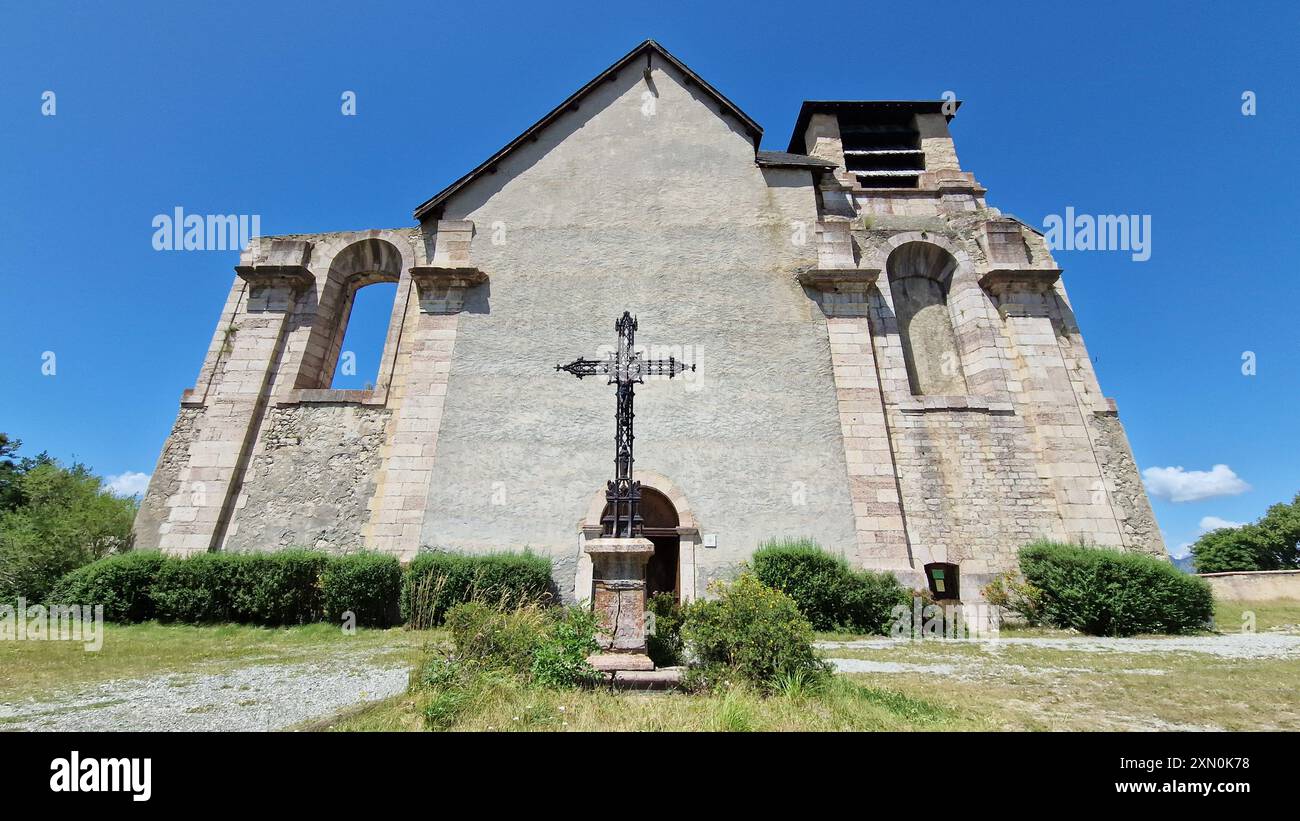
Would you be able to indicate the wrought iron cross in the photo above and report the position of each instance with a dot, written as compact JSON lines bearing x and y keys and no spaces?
{"x":625,"y":367}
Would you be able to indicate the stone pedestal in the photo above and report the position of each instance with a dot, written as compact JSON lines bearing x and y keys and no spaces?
{"x":618,"y":592}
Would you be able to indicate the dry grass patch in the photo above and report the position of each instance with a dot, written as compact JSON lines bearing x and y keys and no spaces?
{"x":43,"y":668}
{"x":505,"y":707}
{"x":1032,"y":687}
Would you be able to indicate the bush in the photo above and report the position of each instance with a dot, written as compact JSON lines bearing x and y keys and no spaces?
{"x":278,"y":588}
{"x":366,"y":584}
{"x":122,"y":583}
{"x":195,"y":590}
{"x":754,"y":632}
{"x":1105,"y":592}
{"x":828,"y":592}
{"x":437,"y":581}
{"x":289,"y":587}
{"x":869,"y":601}
{"x":664,"y":645}
{"x":1011,"y":591}
{"x":260,"y":588}
{"x":561,"y":659}
{"x":489,"y":637}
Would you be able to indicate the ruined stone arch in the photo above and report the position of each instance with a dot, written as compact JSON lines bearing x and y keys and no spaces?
{"x":358,"y":264}
{"x":921,"y":274}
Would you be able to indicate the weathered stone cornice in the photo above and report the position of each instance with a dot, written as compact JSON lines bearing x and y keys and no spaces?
{"x":294,"y":277}
{"x":442,"y":287}
{"x":277,"y":263}
{"x":441,"y":276}
{"x":838,"y":280}
{"x":1001,"y":280}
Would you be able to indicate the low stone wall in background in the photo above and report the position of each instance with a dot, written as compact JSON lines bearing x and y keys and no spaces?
{"x":1255,"y":585}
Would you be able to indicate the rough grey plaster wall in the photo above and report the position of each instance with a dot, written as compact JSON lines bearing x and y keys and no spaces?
{"x":166,"y":480}
{"x":310,"y":480}
{"x":667,"y":216}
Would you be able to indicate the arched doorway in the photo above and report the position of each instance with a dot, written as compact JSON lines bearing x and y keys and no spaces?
{"x":663,"y":505}
{"x":660,"y":525}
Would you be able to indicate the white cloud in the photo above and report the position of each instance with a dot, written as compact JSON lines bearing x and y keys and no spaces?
{"x":127,"y":484}
{"x":1209,"y":523}
{"x":1178,"y":485}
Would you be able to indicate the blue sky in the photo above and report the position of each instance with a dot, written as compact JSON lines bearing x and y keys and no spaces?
{"x":235,"y":108}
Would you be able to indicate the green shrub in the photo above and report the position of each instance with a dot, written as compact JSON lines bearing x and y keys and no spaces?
{"x":561,"y":659}
{"x":1106,"y":592}
{"x":437,"y":581}
{"x":53,"y":520}
{"x":664,"y":645}
{"x":869,"y":601}
{"x":536,"y":645}
{"x":122,"y":583}
{"x":753,"y":632}
{"x":195,"y":590}
{"x":828,"y":592}
{"x":366,"y":584}
{"x":278,"y":588}
{"x":258,"y":588}
{"x":1011,"y":591}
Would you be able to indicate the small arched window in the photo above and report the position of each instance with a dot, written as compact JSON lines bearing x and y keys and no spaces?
{"x":920,"y":274}
{"x":365,"y":331}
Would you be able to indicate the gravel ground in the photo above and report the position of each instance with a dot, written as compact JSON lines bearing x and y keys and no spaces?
{"x":257,"y":697}
{"x":1229,"y":645}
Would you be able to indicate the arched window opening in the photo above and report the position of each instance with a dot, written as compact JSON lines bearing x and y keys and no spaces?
{"x":366,"y":329}
{"x":920,"y":274}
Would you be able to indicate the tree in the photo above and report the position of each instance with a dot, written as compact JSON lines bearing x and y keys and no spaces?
{"x":1227,"y":549}
{"x":11,"y":470}
{"x":1272,"y":543}
{"x":1280,"y":535}
{"x":55,"y":520}
{"x":8,"y":472}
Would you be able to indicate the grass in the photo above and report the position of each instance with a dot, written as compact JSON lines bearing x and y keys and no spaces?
{"x":1031,"y":687}
{"x":1269,"y":615}
{"x":983,"y":686}
{"x":504,"y":706}
{"x":33,"y":668}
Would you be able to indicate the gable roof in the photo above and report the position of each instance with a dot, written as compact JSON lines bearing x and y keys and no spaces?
{"x":648,"y":47}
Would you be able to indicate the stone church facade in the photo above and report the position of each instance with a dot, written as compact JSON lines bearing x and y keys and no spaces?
{"x":883,"y":362}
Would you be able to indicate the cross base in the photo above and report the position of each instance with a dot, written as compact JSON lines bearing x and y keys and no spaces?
{"x":618,"y":592}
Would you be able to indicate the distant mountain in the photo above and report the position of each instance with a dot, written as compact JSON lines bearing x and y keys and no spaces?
{"x":1184,"y":564}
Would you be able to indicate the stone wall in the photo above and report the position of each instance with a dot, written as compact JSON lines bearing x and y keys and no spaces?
{"x":166,"y":481}
{"x":311,"y":481}
{"x":971,"y":489}
{"x":1124,"y":485}
{"x":1256,"y":586}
